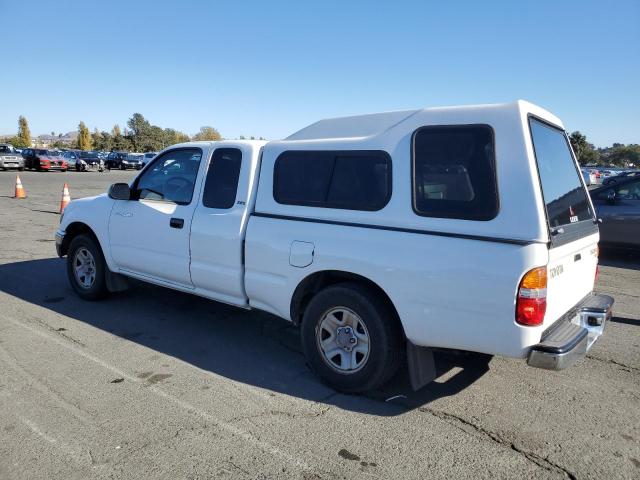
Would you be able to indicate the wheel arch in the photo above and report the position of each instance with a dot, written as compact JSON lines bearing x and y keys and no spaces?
{"x":72,"y":231}
{"x":317,"y":281}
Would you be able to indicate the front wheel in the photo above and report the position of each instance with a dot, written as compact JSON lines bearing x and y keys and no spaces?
{"x":86,"y":268}
{"x":351,"y":338}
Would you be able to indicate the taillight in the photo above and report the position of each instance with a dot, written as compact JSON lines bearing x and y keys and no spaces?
{"x":531,"y":303}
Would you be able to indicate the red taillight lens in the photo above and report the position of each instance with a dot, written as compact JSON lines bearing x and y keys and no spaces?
{"x":531,"y":303}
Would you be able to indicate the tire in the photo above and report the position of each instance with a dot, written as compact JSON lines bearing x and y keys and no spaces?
{"x":122,"y":167}
{"x":84,"y":247}
{"x":375,"y":321}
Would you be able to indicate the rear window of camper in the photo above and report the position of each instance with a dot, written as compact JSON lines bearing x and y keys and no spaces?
{"x":454,"y":173}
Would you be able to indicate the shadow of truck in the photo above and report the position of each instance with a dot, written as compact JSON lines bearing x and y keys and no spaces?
{"x":247,"y":346}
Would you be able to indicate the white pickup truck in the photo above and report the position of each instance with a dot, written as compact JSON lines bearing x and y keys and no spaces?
{"x":383,"y":236}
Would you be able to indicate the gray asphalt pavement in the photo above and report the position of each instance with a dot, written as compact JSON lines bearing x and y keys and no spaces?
{"x":158,"y":384}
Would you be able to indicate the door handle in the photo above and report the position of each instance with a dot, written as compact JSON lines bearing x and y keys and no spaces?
{"x":125,"y":214}
{"x":176,"y":222}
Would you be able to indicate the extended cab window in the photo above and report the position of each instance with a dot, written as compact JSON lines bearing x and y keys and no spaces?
{"x":354,"y":180}
{"x":171,"y":177}
{"x":221,"y":185}
{"x":564,"y":195}
{"x":454,"y":172}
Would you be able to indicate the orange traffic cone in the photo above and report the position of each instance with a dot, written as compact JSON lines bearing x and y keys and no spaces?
{"x":20,"y":193}
{"x":66,"y":198}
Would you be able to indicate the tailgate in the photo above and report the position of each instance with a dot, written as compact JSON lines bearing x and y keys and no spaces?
{"x":573,"y":234}
{"x":571,"y":275}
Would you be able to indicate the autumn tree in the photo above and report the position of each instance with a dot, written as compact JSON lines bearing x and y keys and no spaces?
{"x":84,"y":137}
{"x":207,"y":133}
{"x":23,"y":139}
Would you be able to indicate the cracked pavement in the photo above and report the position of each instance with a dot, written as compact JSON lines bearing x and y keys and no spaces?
{"x":158,"y":384}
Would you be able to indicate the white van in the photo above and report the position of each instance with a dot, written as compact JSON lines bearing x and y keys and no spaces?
{"x":383,"y":236}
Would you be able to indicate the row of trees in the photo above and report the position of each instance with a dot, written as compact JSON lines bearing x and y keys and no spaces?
{"x":618,"y":154}
{"x":138,"y":136}
{"x":141,"y":136}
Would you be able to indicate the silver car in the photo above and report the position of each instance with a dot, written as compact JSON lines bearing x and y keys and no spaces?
{"x":9,"y":158}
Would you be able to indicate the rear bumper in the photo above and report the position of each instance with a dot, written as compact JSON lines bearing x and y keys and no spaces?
{"x":11,"y":164}
{"x":572,"y":336}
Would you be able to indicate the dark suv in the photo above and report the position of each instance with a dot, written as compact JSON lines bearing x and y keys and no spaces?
{"x":121,"y":160}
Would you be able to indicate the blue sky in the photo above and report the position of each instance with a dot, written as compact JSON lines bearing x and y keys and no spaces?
{"x":270,"y":68}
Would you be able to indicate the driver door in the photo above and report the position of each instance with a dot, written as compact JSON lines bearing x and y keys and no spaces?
{"x":149,"y":234}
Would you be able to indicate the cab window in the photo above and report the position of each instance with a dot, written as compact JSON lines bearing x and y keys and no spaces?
{"x":171,"y":177}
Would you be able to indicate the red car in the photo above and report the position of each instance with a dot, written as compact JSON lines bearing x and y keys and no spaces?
{"x":43,"y":160}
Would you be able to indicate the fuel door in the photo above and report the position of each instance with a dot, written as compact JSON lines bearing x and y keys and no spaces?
{"x":301,"y":254}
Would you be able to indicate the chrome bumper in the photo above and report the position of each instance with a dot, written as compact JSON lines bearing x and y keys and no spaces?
{"x":571,"y":337}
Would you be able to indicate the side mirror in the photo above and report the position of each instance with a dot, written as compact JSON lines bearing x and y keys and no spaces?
{"x":611,"y":197}
{"x":120,"y":191}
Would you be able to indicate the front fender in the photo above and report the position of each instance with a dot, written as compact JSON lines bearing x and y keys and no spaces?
{"x":94,"y":212}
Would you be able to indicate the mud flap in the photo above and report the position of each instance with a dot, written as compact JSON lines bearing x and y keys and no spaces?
{"x":115,"y":282}
{"x":422,"y":366}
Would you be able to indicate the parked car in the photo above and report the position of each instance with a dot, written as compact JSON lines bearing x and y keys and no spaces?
{"x":589,"y":176}
{"x":89,"y":161}
{"x":148,"y":156}
{"x":122,"y":161}
{"x":9,"y":158}
{"x":618,"y":207}
{"x":378,"y":235}
{"x":43,"y":160}
{"x":71,"y":156}
{"x":620,"y":176}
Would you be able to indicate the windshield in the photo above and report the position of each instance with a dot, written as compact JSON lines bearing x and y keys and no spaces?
{"x":89,"y":155}
{"x":565,"y":196}
{"x":5,"y":149}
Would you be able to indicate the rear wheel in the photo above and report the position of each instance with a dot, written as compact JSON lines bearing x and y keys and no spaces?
{"x":351,"y":338}
{"x":86,"y":268}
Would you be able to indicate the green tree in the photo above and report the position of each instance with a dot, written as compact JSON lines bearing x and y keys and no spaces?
{"x":207,"y":133}
{"x":623,"y":155}
{"x":106,"y":142}
{"x":96,"y":139}
{"x":84,"y":137}
{"x":23,"y":139}
{"x":119,"y":142}
{"x":585,"y":152}
{"x":171,"y":137}
{"x":140,"y":132}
